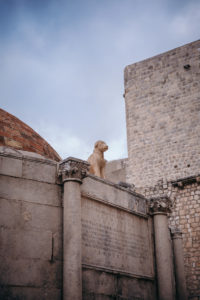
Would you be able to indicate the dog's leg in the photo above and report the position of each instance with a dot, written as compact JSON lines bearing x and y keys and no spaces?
{"x":97,"y":171}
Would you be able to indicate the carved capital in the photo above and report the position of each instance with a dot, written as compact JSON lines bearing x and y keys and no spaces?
{"x":176,"y":233}
{"x":73,"y":169}
{"x":160,"y":205}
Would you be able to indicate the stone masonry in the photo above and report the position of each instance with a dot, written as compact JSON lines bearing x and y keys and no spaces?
{"x":163,"y":116}
{"x":115,"y":170}
{"x":162,"y":96}
{"x":186,"y":216}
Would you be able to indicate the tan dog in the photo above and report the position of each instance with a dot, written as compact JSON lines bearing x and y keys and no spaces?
{"x":96,"y":159}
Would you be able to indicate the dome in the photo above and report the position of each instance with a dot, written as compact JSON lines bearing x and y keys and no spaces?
{"x":16,"y":134}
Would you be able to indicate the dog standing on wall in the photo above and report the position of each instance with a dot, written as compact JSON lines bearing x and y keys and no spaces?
{"x":96,"y":159}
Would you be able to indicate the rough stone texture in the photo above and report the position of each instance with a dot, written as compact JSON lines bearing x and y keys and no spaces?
{"x":162,"y":113}
{"x":116,"y":170}
{"x":186,"y":216}
{"x":100,"y":285}
{"x":30,"y":227}
{"x":16,"y":134}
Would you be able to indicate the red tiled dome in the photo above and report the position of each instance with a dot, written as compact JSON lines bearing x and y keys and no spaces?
{"x":16,"y":134}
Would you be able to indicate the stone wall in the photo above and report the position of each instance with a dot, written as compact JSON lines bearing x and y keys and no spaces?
{"x":30,"y":227}
{"x":162,"y":113}
{"x":116,"y":234}
{"x":185,"y":215}
{"x":163,"y":125}
{"x":115,"y":170}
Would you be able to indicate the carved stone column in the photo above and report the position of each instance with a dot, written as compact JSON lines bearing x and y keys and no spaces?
{"x":159,"y":207}
{"x":181,"y":289}
{"x":72,"y":171}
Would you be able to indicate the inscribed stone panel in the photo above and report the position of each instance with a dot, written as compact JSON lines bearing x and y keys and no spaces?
{"x":115,"y":239}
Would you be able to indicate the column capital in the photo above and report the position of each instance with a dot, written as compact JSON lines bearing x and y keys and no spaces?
{"x":176,"y":233}
{"x":160,"y":205}
{"x":73,"y":169}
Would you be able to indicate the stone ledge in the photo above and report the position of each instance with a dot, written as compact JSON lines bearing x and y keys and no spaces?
{"x":113,"y":193}
{"x":25,"y":155}
{"x":108,"y":182}
{"x":180,"y":183}
{"x":120,"y":207}
{"x":117,"y":272}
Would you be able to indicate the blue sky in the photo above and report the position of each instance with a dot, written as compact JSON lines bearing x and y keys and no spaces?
{"x":62,"y":63}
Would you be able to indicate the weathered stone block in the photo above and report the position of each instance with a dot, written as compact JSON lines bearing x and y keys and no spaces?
{"x":30,"y":273}
{"x":97,"y":282}
{"x":30,"y":217}
{"x":101,"y":285}
{"x":113,"y":194}
{"x":10,"y":166}
{"x":29,"y":293}
{"x":9,"y":213}
{"x":116,"y":240}
{"x":141,"y":289}
{"x":39,"y":171}
{"x":30,"y":191}
{"x":44,"y":217}
{"x":21,"y":244}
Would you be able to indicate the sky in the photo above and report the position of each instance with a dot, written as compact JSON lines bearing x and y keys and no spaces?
{"x":62,"y":63}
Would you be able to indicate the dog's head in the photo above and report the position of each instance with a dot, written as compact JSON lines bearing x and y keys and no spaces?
{"x":100,"y":145}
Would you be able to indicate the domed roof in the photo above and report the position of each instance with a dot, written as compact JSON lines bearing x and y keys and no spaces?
{"x":16,"y":134}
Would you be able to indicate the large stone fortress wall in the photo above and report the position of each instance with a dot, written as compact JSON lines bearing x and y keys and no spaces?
{"x":163,"y":116}
{"x":162,"y":96}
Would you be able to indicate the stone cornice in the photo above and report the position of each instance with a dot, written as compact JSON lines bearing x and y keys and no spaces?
{"x":160,"y":205}
{"x":116,"y":185}
{"x":73,"y":169}
{"x":180,"y":183}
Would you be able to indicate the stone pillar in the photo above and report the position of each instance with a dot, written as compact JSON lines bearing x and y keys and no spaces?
{"x":72,"y":171}
{"x":181,"y":289}
{"x":159,"y":207}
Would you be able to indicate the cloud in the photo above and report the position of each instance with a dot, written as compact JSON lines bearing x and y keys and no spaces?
{"x":186,"y":23}
{"x":67,"y":144}
{"x":61,"y":64}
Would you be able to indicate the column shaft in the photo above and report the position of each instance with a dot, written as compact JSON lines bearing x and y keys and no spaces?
{"x":163,"y":257}
{"x":72,"y":268}
{"x":181,"y":289}
{"x":72,"y":171}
